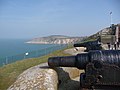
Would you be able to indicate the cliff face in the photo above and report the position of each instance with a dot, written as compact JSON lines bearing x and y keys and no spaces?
{"x":106,"y":31}
{"x":56,"y":39}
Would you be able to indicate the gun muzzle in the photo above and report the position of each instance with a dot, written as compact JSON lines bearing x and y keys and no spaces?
{"x":79,"y":45}
{"x":68,"y":61}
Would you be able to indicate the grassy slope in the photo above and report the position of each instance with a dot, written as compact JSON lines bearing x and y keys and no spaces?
{"x":10,"y":72}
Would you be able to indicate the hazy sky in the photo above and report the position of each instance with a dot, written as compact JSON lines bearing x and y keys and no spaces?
{"x":37,"y":18}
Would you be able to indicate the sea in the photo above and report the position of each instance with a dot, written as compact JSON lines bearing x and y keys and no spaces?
{"x":18,"y":47}
{"x":10,"y":47}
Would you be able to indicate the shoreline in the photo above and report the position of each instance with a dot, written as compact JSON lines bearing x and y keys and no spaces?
{"x":47,"y":43}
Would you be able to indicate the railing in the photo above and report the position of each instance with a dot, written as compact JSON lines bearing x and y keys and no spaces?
{"x":38,"y":53}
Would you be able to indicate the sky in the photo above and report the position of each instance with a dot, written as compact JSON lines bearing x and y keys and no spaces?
{"x":37,"y":18}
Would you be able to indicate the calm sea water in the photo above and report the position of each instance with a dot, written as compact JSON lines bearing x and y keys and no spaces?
{"x":10,"y":47}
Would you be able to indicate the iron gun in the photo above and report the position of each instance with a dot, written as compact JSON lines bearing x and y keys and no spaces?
{"x":91,"y":45}
{"x":102,"y":68}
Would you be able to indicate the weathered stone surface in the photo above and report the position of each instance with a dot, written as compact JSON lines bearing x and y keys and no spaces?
{"x":74,"y":51}
{"x":43,"y":78}
{"x":66,"y":73}
{"x":69,"y":78}
{"x":36,"y":78}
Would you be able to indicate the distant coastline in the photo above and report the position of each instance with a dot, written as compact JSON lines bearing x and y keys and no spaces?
{"x":55,"y":39}
{"x":11,"y":47}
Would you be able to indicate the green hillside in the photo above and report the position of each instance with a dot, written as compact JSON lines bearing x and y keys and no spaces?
{"x":10,"y":72}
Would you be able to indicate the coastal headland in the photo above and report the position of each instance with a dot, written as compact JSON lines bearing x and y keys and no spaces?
{"x":55,"y":39}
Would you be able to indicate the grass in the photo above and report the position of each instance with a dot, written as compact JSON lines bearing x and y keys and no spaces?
{"x":10,"y":72}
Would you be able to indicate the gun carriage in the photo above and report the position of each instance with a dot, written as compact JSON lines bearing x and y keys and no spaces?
{"x":102,"y":68}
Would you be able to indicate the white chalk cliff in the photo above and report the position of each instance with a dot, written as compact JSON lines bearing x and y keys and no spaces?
{"x":55,"y":39}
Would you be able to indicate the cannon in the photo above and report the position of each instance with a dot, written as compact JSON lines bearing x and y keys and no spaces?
{"x":102,"y":68}
{"x":91,"y":45}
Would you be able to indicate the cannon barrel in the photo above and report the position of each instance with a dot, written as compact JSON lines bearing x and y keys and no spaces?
{"x":92,"y":45}
{"x":81,"y":60}
{"x":80,"y":45}
{"x":85,"y":44}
